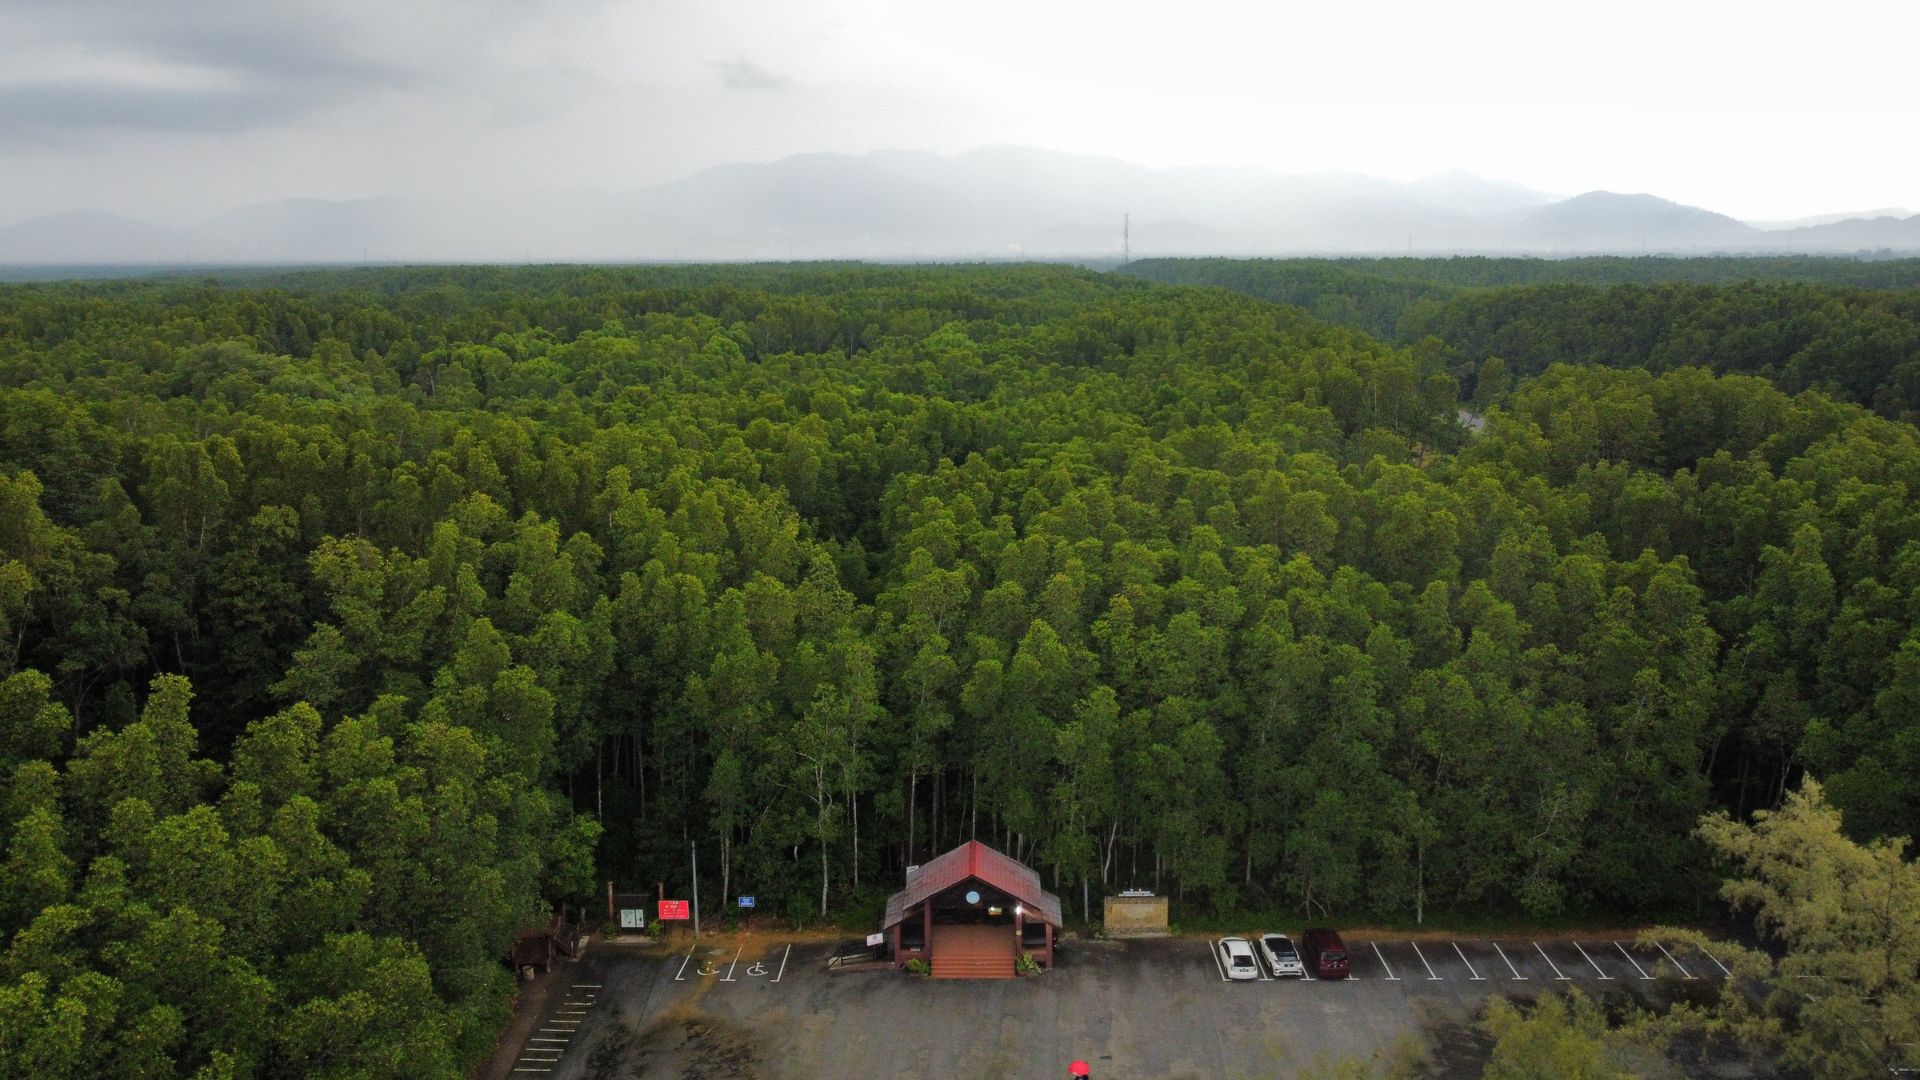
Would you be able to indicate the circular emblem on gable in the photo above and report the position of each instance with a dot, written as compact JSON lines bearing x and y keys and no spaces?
{"x":973,"y":896}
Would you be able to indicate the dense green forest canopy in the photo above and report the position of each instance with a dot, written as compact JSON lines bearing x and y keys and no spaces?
{"x":349,"y":618}
{"x":1848,"y":328}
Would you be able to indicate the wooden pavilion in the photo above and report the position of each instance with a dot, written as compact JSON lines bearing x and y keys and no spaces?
{"x":970,"y":914}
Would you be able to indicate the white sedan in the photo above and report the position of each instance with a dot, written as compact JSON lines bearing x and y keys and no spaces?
{"x":1282,"y":958}
{"x":1236,"y":958}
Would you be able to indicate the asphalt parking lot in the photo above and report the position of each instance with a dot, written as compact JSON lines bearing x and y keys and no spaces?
{"x":1148,"y":1008}
{"x":1522,"y":960}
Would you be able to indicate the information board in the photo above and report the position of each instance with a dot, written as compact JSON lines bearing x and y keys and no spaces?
{"x":633,"y":918}
{"x":746,"y":901}
{"x":674,"y":909}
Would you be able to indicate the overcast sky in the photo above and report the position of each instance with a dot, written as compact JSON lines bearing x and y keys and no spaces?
{"x":172,"y":110}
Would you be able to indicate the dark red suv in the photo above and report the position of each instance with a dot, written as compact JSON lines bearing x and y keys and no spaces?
{"x":1325,"y":954}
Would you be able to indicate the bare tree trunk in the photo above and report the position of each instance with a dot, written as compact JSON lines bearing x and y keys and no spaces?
{"x":820,"y":796}
{"x":599,"y":802}
{"x":1420,"y":884}
{"x":973,"y":830}
{"x":913,"y":790}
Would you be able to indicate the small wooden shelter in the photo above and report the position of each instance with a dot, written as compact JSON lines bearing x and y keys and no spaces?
{"x":971,"y":913}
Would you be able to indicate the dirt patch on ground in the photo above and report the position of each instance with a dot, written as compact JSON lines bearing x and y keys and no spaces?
{"x":683,"y":1043}
{"x":1455,"y":1048}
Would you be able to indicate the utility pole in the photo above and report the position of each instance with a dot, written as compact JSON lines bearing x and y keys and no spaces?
{"x":1126,"y":239}
{"x":696,"y":889}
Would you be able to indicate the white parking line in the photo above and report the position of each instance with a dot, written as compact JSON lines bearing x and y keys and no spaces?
{"x":537,"y":1038}
{"x":1391,"y":977}
{"x":561,"y":1022}
{"x":783,"y":963}
{"x":1431,"y":977}
{"x":1469,"y":963}
{"x":1596,"y":967}
{"x":1509,"y":963}
{"x":1684,"y":973}
{"x":684,"y":963}
{"x":1716,"y":962}
{"x":1631,"y":960}
{"x":1556,"y":967}
{"x":533,"y":1070}
{"x":556,"y":1029}
{"x":586,"y":986}
{"x":730,"y":967}
{"x":1214,"y":949}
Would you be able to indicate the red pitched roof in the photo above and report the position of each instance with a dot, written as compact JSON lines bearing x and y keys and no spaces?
{"x":974,"y":859}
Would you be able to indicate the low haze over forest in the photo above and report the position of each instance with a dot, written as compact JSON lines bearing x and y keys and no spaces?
{"x":996,"y":202}
{"x":350,"y":619}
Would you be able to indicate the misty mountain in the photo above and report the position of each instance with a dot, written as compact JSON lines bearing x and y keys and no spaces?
{"x":1604,"y":221}
{"x":1832,"y":219}
{"x":994,"y":202}
{"x":1466,"y":193}
{"x":90,"y":236}
{"x":1897,"y":234}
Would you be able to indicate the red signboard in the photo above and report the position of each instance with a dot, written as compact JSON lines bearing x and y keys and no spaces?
{"x":674,"y":909}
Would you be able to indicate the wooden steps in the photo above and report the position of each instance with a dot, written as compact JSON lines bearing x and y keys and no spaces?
{"x":973,"y":952}
{"x":972,"y":967}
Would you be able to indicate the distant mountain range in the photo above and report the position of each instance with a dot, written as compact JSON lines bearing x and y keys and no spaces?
{"x":996,"y":202}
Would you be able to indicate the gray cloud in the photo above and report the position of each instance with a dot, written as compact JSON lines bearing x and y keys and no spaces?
{"x":743,"y":74}
{"x":220,"y":68}
{"x":51,"y":109}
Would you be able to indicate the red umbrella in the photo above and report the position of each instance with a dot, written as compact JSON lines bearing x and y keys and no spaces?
{"x":1079,"y":1068}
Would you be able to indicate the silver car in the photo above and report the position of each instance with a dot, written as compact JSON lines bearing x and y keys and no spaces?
{"x":1281,"y":957}
{"x":1236,"y":958}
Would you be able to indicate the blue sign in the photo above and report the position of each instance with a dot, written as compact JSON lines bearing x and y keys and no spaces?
{"x":746,"y":901}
